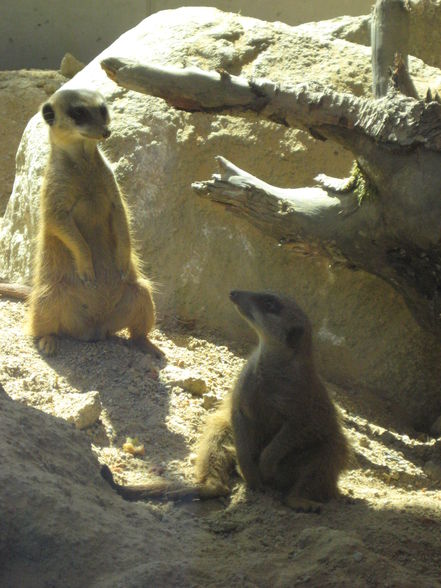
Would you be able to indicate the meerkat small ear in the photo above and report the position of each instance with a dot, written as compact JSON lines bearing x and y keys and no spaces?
{"x":294,"y":335}
{"x":48,"y":113}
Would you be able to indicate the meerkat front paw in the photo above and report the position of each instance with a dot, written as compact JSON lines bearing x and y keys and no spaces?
{"x":87,"y":275}
{"x":302,"y":504}
{"x":48,"y":344}
{"x":123,"y":264}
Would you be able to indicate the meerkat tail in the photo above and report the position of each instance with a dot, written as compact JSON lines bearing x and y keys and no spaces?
{"x":19,"y":291}
{"x":161,"y":489}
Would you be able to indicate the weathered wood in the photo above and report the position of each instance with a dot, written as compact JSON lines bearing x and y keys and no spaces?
{"x":17,"y":291}
{"x":307,"y":218}
{"x":389,"y":35}
{"x":187,"y":88}
{"x":401,"y":79}
{"x":317,"y":221}
{"x":396,"y":140}
{"x":396,"y":120}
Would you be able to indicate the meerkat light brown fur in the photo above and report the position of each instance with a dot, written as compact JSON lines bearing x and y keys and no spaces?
{"x":86,"y":280}
{"x":278,"y":423}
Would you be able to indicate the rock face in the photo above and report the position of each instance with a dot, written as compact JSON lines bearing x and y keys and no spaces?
{"x":425,"y":21}
{"x":21,"y":93}
{"x":196,"y":252}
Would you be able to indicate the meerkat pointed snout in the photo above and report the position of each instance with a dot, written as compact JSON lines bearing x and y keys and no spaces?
{"x":276,"y":319}
{"x":81,"y":114}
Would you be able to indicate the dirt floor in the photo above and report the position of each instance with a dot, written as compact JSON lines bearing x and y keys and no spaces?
{"x":386,"y":530}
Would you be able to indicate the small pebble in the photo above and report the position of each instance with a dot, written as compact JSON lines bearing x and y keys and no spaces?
{"x":364,"y":442}
{"x":196,"y":386}
{"x":209,"y":400}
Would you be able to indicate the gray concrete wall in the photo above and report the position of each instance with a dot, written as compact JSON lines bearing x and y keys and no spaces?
{"x":37,"y":33}
{"x":292,"y":12}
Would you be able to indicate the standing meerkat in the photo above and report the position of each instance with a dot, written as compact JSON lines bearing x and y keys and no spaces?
{"x":278,"y":424}
{"x":86,"y":280}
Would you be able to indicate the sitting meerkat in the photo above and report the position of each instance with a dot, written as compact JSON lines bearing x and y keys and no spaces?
{"x":86,"y":281}
{"x":278,"y":424}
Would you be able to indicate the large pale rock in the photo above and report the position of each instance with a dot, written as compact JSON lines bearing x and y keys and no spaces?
{"x":195,"y":251}
{"x":424,"y":27}
{"x":21,"y":93}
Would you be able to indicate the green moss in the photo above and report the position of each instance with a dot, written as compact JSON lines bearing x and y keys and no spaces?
{"x":360,"y":185}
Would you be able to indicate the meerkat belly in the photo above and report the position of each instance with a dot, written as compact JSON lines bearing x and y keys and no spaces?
{"x":93,"y":218}
{"x":253,"y":395}
{"x":102,"y":244}
{"x":91,"y":215}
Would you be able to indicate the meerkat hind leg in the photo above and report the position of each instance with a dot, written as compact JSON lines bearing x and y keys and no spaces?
{"x":315,"y":481}
{"x":145,"y":345}
{"x":43,"y":324}
{"x":136,"y":311}
{"x":60,"y":313}
{"x":142,"y":320}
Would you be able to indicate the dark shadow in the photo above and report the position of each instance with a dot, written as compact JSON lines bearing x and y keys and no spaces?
{"x":400,"y":543}
{"x":135,"y":404}
{"x":371,"y":417}
{"x":178,"y":330}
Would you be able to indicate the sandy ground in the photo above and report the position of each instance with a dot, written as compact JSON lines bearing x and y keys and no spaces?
{"x":386,"y":530}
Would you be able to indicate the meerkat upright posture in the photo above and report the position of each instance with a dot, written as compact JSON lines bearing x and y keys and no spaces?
{"x":278,"y":424}
{"x":86,"y":280}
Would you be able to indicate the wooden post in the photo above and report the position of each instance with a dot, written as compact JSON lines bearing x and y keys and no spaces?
{"x":389,"y":35}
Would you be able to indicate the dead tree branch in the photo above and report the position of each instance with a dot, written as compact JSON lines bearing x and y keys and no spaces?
{"x":398,"y":120}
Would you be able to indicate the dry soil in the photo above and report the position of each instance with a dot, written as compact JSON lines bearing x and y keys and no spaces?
{"x":385,"y":531}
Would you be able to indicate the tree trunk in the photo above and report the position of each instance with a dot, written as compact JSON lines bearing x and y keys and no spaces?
{"x":386,"y":218}
{"x":389,"y":35}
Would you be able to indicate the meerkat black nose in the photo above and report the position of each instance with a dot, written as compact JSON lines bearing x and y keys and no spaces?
{"x":106,"y":133}
{"x":234,"y":294}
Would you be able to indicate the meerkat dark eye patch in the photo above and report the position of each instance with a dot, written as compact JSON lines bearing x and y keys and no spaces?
{"x":79,"y":114}
{"x":294,"y":336}
{"x":269,"y":303}
{"x":48,"y":113}
{"x":103,"y":111}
